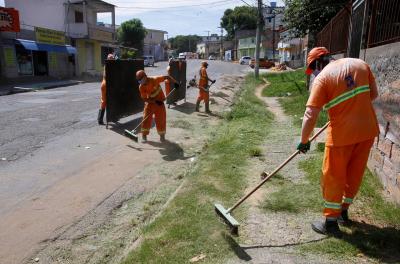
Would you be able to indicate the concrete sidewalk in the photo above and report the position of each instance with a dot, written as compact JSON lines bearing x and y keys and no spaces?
{"x":34,"y":86}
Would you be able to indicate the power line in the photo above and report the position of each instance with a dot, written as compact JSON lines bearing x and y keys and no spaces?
{"x":246,"y":3}
{"x":174,"y":7}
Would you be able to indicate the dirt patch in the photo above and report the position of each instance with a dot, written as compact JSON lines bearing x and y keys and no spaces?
{"x":111,"y":230}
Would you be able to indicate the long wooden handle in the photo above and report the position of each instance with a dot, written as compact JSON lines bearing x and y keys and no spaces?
{"x":275,"y":171}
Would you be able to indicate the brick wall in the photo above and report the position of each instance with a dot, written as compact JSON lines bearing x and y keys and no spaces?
{"x":385,"y":155}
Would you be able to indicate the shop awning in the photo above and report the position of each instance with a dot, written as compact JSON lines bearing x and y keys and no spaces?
{"x":33,"y":45}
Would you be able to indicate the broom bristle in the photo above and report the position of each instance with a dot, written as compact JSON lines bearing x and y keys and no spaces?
{"x":131,"y":135}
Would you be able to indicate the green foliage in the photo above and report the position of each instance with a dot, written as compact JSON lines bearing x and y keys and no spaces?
{"x":128,"y":54}
{"x":241,"y":17}
{"x":310,"y":15}
{"x":131,"y":33}
{"x":182,"y":43}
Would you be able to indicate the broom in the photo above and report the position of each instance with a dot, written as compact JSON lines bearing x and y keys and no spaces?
{"x":225,"y":214}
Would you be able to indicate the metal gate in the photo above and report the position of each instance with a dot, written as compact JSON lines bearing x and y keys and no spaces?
{"x":178,"y":72}
{"x":123,"y":96}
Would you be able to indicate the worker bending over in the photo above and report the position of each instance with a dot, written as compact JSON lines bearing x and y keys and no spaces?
{"x":346,"y":89}
{"x":153,"y":96}
{"x":203,"y":88}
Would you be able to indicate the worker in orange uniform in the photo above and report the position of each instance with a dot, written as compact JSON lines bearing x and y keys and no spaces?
{"x":203,"y":88}
{"x":346,"y":89}
{"x":153,"y":96}
{"x":103,"y":94}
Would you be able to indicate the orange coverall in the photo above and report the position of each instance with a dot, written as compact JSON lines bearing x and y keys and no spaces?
{"x":152,"y":90}
{"x":203,"y":83}
{"x":103,"y":91}
{"x":345,"y":88}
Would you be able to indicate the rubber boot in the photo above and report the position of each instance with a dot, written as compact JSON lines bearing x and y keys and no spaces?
{"x":344,"y":218}
{"x":198,"y":106}
{"x":162,"y":138}
{"x":208,"y":107}
{"x":327,"y":227}
{"x":100,"y":116}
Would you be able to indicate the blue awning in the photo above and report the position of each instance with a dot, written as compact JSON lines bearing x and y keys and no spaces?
{"x":33,"y":45}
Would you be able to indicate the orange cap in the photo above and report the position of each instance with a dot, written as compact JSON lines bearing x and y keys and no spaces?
{"x":314,"y":54}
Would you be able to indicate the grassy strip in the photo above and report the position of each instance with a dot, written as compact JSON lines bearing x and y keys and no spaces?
{"x":291,"y":87}
{"x":189,"y":226}
{"x":379,"y":240}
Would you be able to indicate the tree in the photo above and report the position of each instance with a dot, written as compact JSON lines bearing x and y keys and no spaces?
{"x":131,"y":34}
{"x":241,"y":17}
{"x":182,"y":43}
{"x":310,"y":16}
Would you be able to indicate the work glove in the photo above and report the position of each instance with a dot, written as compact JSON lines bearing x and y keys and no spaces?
{"x":213,"y":81}
{"x":176,"y":86}
{"x":159,"y":102}
{"x":303,"y":147}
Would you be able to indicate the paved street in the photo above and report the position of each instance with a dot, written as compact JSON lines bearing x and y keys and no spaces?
{"x":56,"y":162}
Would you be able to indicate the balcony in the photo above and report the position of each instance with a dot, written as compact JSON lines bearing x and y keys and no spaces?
{"x":77,"y":30}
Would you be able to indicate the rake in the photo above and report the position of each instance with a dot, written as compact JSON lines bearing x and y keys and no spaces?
{"x":225,"y":214}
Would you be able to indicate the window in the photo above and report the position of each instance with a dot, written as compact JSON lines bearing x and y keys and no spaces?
{"x":78,"y":17}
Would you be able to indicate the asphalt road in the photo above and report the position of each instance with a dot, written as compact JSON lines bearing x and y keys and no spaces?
{"x":50,"y":139}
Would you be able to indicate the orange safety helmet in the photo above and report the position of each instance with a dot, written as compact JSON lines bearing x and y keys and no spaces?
{"x":313,"y":55}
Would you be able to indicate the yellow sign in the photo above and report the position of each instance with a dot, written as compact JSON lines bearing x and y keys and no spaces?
{"x":49,"y":36}
{"x":100,"y":35}
{"x":9,"y":56}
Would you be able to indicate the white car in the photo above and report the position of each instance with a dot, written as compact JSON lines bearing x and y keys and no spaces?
{"x":245,"y":60}
{"x":148,"y":61}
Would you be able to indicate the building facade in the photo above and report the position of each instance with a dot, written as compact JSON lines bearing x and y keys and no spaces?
{"x":74,"y":23}
{"x":155,"y":44}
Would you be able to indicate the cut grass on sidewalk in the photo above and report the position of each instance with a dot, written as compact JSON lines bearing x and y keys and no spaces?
{"x":189,"y":226}
{"x":291,"y":87}
{"x":376,"y":231}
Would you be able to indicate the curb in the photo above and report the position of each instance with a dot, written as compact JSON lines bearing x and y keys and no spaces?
{"x":18,"y":89}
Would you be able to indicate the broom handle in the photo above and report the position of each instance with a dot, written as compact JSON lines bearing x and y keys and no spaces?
{"x":144,"y":119}
{"x":275,"y":171}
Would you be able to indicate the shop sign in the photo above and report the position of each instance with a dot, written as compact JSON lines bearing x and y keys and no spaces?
{"x":9,"y":20}
{"x":49,"y":36}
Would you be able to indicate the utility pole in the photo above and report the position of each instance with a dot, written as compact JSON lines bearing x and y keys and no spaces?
{"x":222,"y":44}
{"x":207,"y":48}
{"x":258,"y":38}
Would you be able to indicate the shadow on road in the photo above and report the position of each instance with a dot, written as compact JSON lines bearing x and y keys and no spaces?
{"x":169,"y":150}
{"x":186,"y":108}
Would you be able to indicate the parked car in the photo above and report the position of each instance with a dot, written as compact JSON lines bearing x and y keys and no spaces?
{"x":264,"y":63}
{"x":245,"y":60}
{"x":148,"y":60}
{"x":212,"y":57}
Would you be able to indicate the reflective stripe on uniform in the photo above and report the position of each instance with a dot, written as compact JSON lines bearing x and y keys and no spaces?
{"x":331,"y":205}
{"x":156,"y":92}
{"x":345,"y":96}
{"x":145,"y":129}
{"x":347,"y":200}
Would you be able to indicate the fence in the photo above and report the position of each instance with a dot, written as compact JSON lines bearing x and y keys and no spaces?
{"x":362,"y":24}
{"x":335,"y":34}
{"x":385,"y":22}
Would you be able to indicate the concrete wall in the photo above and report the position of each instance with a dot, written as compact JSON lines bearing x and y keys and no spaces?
{"x":385,"y":155}
{"x":53,"y":12}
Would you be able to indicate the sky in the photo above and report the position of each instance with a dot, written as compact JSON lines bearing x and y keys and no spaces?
{"x":177,"y":17}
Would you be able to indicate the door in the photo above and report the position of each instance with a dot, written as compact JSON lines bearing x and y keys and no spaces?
{"x":40,"y":64}
{"x":89,"y":56}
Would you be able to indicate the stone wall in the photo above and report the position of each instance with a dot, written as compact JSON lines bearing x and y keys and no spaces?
{"x":385,"y":155}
